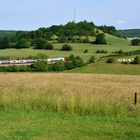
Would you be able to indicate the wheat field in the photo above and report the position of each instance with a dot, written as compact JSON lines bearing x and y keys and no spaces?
{"x":82,"y":94}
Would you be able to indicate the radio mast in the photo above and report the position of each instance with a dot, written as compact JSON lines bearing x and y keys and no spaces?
{"x":74,"y":15}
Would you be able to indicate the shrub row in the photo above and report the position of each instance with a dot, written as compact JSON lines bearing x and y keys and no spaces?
{"x":102,"y":51}
{"x":118,"y":52}
{"x":129,"y":53}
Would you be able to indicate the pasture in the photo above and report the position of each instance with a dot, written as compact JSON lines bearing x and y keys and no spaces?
{"x":36,"y":125}
{"x":104,"y":68}
{"x":114,"y":44}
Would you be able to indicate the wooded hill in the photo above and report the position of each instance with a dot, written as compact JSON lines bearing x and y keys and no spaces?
{"x":71,"y":31}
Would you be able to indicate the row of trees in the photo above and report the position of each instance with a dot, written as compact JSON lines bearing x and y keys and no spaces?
{"x":110,"y":30}
{"x":41,"y":43}
{"x":38,"y":43}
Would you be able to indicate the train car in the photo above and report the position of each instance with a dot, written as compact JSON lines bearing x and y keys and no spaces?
{"x":51,"y":60}
{"x":31,"y":61}
{"x":5,"y":62}
{"x":22,"y":61}
{"x":14,"y":61}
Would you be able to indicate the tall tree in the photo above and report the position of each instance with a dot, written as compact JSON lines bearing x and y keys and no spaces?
{"x":100,"y":39}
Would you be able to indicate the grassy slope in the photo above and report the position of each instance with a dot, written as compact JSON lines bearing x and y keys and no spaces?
{"x":103,"y":68}
{"x":114,"y":44}
{"x":52,"y":126}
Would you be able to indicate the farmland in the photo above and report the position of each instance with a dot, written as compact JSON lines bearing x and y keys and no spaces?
{"x":40,"y":106}
{"x":54,"y":92}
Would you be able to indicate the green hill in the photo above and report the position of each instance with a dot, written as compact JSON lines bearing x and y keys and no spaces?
{"x":114,"y":44}
{"x":70,"y":31}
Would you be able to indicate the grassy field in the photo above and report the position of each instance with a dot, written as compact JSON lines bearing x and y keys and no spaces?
{"x":23,"y":125}
{"x":82,"y":94}
{"x":104,"y":68}
{"x":114,"y":44}
{"x":68,"y":106}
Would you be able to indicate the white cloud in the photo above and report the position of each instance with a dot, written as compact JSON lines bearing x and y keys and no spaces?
{"x":120,"y":21}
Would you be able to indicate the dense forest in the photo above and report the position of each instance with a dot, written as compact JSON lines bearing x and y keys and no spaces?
{"x":131,"y":33}
{"x":70,"y":32}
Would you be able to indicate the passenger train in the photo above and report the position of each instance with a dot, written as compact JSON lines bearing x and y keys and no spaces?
{"x":31,"y":61}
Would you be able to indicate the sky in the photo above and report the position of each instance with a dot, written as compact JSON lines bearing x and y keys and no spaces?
{"x":33,"y":14}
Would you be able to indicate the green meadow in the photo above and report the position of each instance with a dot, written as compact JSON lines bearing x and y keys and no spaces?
{"x":68,"y":107}
{"x":114,"y":44}
{"x":104,"y":68}
{"x":23,"y":125}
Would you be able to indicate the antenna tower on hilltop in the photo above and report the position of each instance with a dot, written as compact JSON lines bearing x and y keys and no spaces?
{"x":74,"y":16}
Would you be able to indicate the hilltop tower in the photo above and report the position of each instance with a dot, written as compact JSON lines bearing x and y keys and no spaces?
{"x":74,"y":18}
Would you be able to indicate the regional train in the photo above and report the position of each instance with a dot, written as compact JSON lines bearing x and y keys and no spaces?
{"x":30,"y":61}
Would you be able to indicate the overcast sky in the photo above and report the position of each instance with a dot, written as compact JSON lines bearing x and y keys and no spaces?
{"x":32,"y":14}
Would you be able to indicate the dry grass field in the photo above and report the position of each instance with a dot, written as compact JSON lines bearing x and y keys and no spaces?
{"x":82,"y":94}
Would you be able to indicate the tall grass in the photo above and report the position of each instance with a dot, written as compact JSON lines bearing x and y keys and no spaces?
{"x":79,"y":94}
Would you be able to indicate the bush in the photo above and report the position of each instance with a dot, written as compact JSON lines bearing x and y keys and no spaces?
{"x":76,"y":61}
{"x":41,"y":43}
{"x":58,"y":66}
{"x":135,"y":42}
{"x":79,"y":62}
{"x":71,"y":57}
{"x":136,"y":60}
{"x":39,"y":66}
{"x":48,"y":46}
{"x":14,"y":68}
{"x":66,"y":47}
{"x":92,"y":59}
{"x":118,"y":52}
{"x":110,"y":60}
{"x":86,"y":51}
{"x":69,"y":65}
